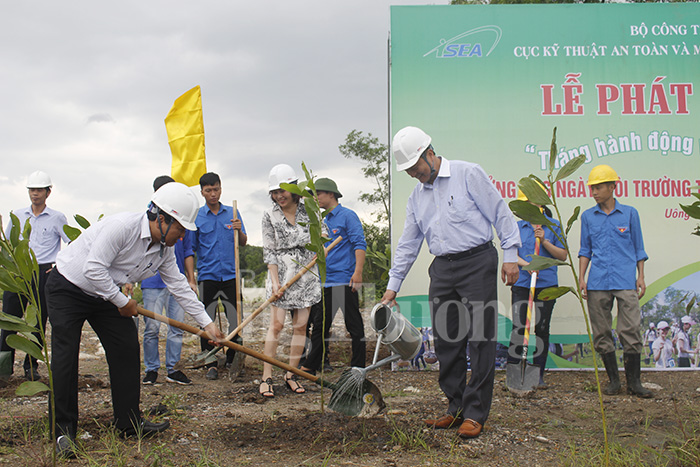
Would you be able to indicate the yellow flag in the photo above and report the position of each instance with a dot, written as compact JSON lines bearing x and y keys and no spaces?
{"x":185,"y":126}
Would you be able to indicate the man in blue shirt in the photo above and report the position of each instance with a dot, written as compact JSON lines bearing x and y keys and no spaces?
{"x":455,"y":208}
{"x":157,"y":298}
{"x":612,"y":244}
{"x":344,"y":265}
{"x":216,"y":266}
{"x":45,"y":241}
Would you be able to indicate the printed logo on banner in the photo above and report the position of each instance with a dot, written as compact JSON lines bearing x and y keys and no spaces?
{"x":458,"y":47}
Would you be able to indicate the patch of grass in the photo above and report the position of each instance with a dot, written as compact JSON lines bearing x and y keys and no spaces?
{"x":620,"y":456}
{"x":412,"y":440}
{"x":397,"y":393}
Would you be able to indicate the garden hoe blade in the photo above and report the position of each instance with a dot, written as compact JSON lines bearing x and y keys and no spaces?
{"x":352,"y":397}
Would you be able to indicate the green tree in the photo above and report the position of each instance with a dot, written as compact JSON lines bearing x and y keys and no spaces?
{"x":375,"y":157}
{"x":251,"y":257}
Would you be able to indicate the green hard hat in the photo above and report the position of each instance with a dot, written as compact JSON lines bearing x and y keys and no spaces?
{"x":326,"y":184}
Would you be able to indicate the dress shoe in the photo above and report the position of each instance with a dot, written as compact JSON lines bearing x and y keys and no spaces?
{"x":469,"y":429}
{"x":145,"y":428}
{"x":446,"y":421}
{"x":65,"y":447}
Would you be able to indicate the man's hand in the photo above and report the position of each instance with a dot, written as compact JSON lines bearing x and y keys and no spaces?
{"x":389,"y":298}
{"x":355,"y":282}
{"x":641,"y":287}
{"x":236,"y":224}
{"x":128,"y":289}
{"x":217,"y":336}
{"x":583,"y":287}
{"x":510,"y":273}
{"x":129,"y":309}
{"x":193,"y":286}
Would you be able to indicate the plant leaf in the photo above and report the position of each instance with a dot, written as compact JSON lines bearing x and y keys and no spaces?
{"x":572,"y":219}
{"x":82,"y":222}
{"x":538,"y":263}
{"x":71,"y":232}
{"x":528,"y":212}
{"x":570,"y":167}
{"x":22,"y":343}
{"x":11,"y":323}
{"x":553,"y":150}
{"x":14,"y":233}
{"x":292,"y":188}
{"x":692,"y":210}
{"x":552,"y":293}
{"x":31,"y":388}
{"x":533,"y":191}
{"x":10,"y":282}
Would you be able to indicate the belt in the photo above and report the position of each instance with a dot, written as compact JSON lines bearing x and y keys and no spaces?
{"x":466,"y":254}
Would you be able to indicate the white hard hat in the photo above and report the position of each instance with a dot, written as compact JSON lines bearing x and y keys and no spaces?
{"x":652,"y":325}
{"x":39,"y":179}
{"x":687,"y":320}
{"x":408,"y":145}
{"x":281,"y":173}
{"x":662,"y":325}
{"x":178,"y":201}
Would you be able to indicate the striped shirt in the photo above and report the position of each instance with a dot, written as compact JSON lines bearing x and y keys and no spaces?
{"x":118,"y":250}
{"x":47,"y":232}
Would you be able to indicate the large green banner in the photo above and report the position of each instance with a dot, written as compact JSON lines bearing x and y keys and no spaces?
{"x":620,"y":82}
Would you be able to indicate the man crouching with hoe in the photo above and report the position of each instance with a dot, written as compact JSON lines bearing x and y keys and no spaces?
{"x":85,"y":285}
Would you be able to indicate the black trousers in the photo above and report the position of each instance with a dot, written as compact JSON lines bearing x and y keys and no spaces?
{"x":14,"y":304}
{"x":542,"y":317}
{"x":464,"y":312}
{"x":343,"y":297}
{"x":69,"y":308}
{"x":211,"y":292}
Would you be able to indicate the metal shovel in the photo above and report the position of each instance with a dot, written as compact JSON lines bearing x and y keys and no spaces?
{"x":347,"y":397}
{"x":525,"y":376}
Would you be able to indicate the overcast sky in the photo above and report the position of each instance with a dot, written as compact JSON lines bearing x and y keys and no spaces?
{"x":86,"y":86}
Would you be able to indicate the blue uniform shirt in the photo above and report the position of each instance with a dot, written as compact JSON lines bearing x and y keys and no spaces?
{"x":340,"y":262}
{"x":183,"y":249}
{"x":613,"y":242}
{"x":213,"y":243}
{"x":546,"y":277}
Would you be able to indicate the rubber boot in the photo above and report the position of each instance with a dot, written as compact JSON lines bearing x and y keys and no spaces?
{"x":6,"y":362}
{"x":610,"y":361}
{"x":632,"y":372}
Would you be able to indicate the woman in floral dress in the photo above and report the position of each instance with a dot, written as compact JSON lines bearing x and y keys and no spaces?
{"x":285,"y":234}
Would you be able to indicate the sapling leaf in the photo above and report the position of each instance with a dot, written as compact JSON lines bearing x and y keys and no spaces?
{"x":552,"y":293}
{"x":82,"y":222}
{"x":22,"y":343}
{"x":570,"y":167}
{"x":71,"y":232}
{"x":572,"y":219}
{"x":553,"y":150}
{"x":292,"y":188}
{"x":537,"y":263}
{"x":533,"y":191}
{"x":529,"y":212}
{"x":31,"y":388}
{"x":693,"y":210}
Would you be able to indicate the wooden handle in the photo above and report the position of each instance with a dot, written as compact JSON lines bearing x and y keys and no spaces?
{"x":281,"y":291}
{"x":239,"y":308}
{"x":229,"y":344}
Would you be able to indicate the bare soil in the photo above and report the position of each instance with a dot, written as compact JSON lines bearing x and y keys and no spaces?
{"x":226,"y":422}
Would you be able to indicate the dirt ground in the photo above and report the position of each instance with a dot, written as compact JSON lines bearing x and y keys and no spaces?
{"x":227,"y":422}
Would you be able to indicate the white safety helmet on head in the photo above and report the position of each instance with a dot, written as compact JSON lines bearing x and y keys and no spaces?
{"x":178,"y":201}
{"x":39,"y":179}
{"x":281,"y":173}
{"x":408,"y":145}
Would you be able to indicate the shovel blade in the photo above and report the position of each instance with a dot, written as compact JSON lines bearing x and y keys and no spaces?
{"x":198,"y":361}
{"x":352,"y":396}
{"x":522,"y":378}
